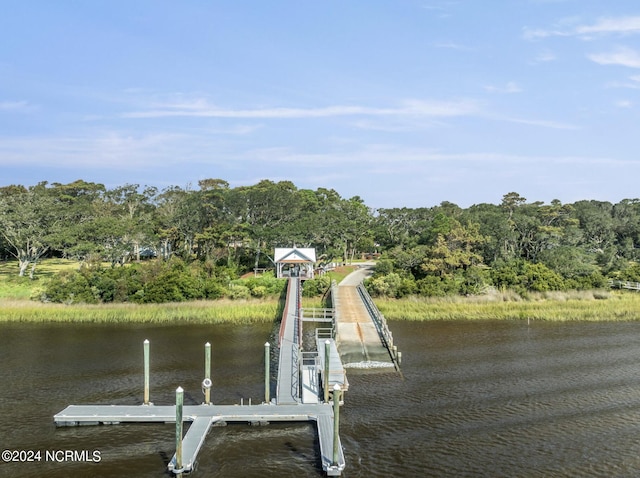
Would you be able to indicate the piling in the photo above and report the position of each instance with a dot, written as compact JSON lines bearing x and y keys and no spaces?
{"x":336,"y":424}
{"x":325,"y":383}
{"x":146,"y":372}
{"x":267,"y":372}
{"x":179,"y":404}
{"x":206,"y":384}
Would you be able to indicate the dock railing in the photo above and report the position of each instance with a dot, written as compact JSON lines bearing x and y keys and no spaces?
{"x":378,"y":319}
{"x":315,"y":314}
{"x":381,"y":325}
{"x":624,"y":284}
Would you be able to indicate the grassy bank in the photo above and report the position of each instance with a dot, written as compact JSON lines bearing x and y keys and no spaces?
{"x":15,"y":305}
{"x":618,"y":306}
{"x":202,"y":312}
{"x":585,"y":306}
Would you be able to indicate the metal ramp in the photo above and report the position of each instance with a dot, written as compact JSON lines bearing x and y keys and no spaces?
{"x":287,"y":392}
{"x":337,"y":375}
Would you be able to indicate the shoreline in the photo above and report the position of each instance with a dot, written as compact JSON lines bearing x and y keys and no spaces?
{"x":609,"y":306}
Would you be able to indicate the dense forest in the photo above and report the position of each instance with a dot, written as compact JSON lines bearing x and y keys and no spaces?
{"x":190,"y":243}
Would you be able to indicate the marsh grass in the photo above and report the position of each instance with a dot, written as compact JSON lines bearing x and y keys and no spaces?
{"x":202,"y":312}
{"x":598,"y":305}
{"x":573,"y":306}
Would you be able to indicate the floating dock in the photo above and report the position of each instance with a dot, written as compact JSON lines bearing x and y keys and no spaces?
{"x":203,"y":417}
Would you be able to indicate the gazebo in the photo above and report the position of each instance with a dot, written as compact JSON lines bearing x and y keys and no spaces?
{"x":294,"y":262}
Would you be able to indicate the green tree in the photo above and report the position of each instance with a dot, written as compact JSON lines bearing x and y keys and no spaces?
{"x":29,"y":219}
{"x":454,"y":251}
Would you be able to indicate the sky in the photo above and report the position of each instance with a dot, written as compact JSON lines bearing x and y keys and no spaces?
{"x":404,"y":103}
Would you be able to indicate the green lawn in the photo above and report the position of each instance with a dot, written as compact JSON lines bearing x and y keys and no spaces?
{"x":20,"y":288}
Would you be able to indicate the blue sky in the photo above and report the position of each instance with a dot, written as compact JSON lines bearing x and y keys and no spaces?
{"x":401,"y":102}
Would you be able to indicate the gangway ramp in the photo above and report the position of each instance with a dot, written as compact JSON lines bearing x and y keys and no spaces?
{"x":287,"y":392}
{"x":362,"y":344}
{"x":337,"y":375}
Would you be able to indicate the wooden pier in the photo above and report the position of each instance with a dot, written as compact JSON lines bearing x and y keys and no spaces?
{"x":310,"y":387}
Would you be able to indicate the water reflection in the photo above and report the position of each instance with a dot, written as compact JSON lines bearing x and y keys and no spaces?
{"x":475,"y":399}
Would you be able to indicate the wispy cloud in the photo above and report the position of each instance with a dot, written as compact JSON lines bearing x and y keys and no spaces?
{"x":451,"y":46}
{"x":14,"y":106}
{"x":544,"y":57}
{"x":622,"y":56}
{"x":377,"y":158}
{"x":202,"y":108}
{"x":604,"y":26}
{"x":543,"y":123}
{"x":510,"y":88}
{"x":621,"y":25}
{"x":625,"y":104}
{"x":105,"y":150}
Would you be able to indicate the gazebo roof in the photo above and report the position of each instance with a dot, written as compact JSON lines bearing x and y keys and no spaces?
{"x":293,"y":255}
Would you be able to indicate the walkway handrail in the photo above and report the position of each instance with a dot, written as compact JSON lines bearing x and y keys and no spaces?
{"x":378,"y":319}
{"x":624,"y":284}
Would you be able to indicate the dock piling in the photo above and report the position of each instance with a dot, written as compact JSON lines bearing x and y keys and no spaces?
{"x":146,"y":371}
{"x":336,"y":424}
{"x":267,"y":372}
{"x":179,"y":404}
{"x":206,"y":383}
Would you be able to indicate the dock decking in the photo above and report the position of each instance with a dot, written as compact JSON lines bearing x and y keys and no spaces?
{"x":287,"y":391}
{"x":202,"y":417}
{"x":362,"y":340}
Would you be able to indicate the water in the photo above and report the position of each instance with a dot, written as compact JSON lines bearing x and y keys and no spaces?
{"x":475,"y":399}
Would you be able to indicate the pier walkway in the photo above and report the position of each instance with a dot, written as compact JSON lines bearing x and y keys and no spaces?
{"x":290,"y":338}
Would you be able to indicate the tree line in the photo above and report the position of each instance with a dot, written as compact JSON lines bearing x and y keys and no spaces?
{"x":224,"y":232}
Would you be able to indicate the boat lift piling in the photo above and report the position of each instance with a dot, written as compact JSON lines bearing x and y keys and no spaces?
{"x":146,"y":371}
{"x":267,"y":373}
{"x":206,"y":383}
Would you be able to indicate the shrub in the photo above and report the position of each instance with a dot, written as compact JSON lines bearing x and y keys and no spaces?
{"x":431,"y":286}
{"x":259,"y":291}
{"x":213,"y":289}
{"x":316,"y":286}
{"x":70,"y":287}
{"x":384,"y":267}
{"x":237,"y":292}
{"x":539,"y":278}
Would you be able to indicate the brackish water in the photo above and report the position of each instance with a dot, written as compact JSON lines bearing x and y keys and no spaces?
{"x":495,"y":399}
